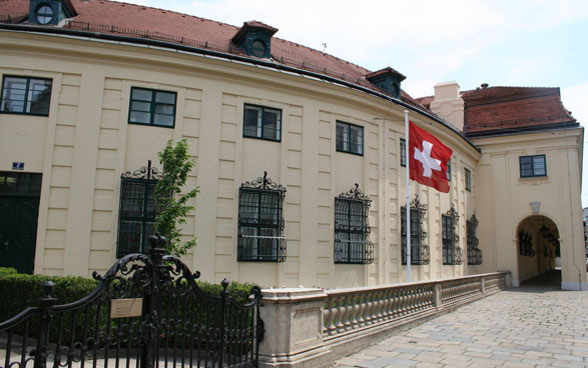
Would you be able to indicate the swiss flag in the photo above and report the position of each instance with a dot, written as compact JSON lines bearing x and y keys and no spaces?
{"x":428,"y":159}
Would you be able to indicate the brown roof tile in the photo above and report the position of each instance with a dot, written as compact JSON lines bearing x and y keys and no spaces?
{"x":140,"y":21}
{"x":506,"y":108}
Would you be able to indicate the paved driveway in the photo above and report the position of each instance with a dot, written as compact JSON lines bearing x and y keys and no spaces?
{"x":532,"y":326}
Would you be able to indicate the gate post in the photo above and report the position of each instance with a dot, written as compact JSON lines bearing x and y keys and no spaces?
{"x":46,"y":304}
{"x":223,"y":328}
{"x":149,"y":316}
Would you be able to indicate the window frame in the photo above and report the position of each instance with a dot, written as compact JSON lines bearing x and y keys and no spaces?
{"x":532,"y":168}
{"x":26,"y":95}
{"x":152,"y":107}
{"x":402,"y":152}
{"x":449,"y":169}
{"x":419,"y":252}
{"x":248,"y":251}
{"x":262,"y":123}
{"x":148,"y":178}
{"x":468,"y":179}
{"x":347,"y":234}
{"x":348,"y":128}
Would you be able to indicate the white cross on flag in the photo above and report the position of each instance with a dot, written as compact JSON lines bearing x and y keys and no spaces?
{"x":428,"y":159}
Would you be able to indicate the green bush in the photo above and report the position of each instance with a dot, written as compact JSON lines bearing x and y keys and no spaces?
{"x":19,"y":291}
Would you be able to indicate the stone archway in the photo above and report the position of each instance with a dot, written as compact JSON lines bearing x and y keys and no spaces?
{"x":538,"y":249}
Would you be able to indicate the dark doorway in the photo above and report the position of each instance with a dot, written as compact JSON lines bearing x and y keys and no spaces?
{"x":19,"y":208}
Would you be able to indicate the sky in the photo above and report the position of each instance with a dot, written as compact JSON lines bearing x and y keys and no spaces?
{"x":535,"y":43}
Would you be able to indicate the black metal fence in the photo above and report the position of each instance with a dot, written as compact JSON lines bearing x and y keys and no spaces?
{"x":147,"y":312}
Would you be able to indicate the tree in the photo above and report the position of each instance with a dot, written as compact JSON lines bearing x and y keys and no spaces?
{"x":171,"y":205}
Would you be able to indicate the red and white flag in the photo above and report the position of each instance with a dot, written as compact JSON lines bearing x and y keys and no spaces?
{"x":428,"y":159}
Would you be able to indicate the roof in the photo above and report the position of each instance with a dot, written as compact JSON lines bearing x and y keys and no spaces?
{"x":500,"y":108}
{"x":102,"y":16}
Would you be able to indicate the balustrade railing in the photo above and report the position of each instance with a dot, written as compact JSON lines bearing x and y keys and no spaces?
{"x":347,"y":311}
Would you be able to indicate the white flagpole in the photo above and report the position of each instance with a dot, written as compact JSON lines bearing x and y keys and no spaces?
{"x":407,"y":149}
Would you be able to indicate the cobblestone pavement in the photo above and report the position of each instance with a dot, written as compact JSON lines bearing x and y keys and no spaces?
{"x":531,"y":326}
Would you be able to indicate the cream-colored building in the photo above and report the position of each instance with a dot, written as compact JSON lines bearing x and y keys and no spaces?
{"x":299,"y":159}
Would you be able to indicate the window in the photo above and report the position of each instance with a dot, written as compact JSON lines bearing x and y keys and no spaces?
{"x":474,"y":253}
{"x":468,"y":180}
{"x":152,"y":107}
{"x":533,"y":166}
{"x":136,"y":215}
{"x":349,"y":138}
{"x":262,"y":122}
{"x":261,"y":225}
{"x":20,"y":183}
{"x":419,"y":252}
{"x":402,"y":152}
{"x":44,"y":14}
{"x":352,"y":231}
{"x":452,"y":254}
{"x":449,"y":169}
{"x":22,"y":95}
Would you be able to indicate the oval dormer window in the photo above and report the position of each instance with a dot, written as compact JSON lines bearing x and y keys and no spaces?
{"x":44,"y":14}
{"x":258,"y":48}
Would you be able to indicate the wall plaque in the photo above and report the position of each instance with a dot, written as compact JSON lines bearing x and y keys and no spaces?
{"x":122,"y":308}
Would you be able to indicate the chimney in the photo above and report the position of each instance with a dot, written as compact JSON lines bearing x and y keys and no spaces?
{"x":448,"y":104}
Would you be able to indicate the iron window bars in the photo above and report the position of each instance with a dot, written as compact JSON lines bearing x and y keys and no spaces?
{"x":136,"y":215}
{"x":452,"y":254}
{"x":262,"y":122}
{"x":261,"y":225}
{"x":23,"y":95}
{"x":533,"y":166}
{"x":419,"y":252}
{"x":349,"y":138}
{"x":152,"y":107}
{"x":352,"y":244}
{"x":474,"y":253}
{"x":526,"y":243}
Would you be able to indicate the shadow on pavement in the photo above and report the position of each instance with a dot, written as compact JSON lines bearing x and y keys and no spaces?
{"x":547,"y":282}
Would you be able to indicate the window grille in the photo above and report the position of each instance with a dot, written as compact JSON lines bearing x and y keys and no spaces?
{"x":261,"y":225}
{"x":349,"y":138}
{"x":136,"y":215}
{"x":474,"y":253}
{"x":262,"y":122}
{"x":419,"y":252}
{"x":452,"y":253}
{"x":352,"y":244}
{"x":23,"y":95}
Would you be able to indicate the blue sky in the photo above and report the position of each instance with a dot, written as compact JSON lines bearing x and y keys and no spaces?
{"x":538,"y":43}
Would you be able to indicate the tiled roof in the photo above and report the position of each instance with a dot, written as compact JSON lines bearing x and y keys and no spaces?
{"x":510,"y":108}
{"x":140,"y":21}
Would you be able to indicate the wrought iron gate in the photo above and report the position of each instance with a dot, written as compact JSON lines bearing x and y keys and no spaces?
{"x":147,"y":312}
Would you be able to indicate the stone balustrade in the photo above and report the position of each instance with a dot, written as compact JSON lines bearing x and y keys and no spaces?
{"x":311,"y":327}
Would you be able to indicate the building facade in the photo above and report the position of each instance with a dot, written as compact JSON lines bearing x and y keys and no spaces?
{"x":299,"y":157}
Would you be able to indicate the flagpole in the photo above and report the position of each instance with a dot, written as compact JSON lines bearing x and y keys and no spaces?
{"x":407,"y":149}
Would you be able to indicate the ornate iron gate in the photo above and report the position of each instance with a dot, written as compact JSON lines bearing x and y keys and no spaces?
{"x":147,"y":312}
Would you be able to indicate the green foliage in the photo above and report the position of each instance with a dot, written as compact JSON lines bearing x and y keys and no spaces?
{"x":239,"y":291}
{"x":7,"y":271}
{"x":172,"y":206}
{"x":19,"y":291}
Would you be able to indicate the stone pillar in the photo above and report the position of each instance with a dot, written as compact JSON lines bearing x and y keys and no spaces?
{"x":293,"y":319}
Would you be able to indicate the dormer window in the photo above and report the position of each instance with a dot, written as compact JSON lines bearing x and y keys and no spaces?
{"x":388,"y":80}
{"x":44,"y":14}
{"x":50,"y":12}
{"x":254,"y":38}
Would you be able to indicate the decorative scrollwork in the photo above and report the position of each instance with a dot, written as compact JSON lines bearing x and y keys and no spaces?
{"x":264,"y":183}
{"x":147,"y":172}
{"x":526,"y":244}
{"x":355,"y":194}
